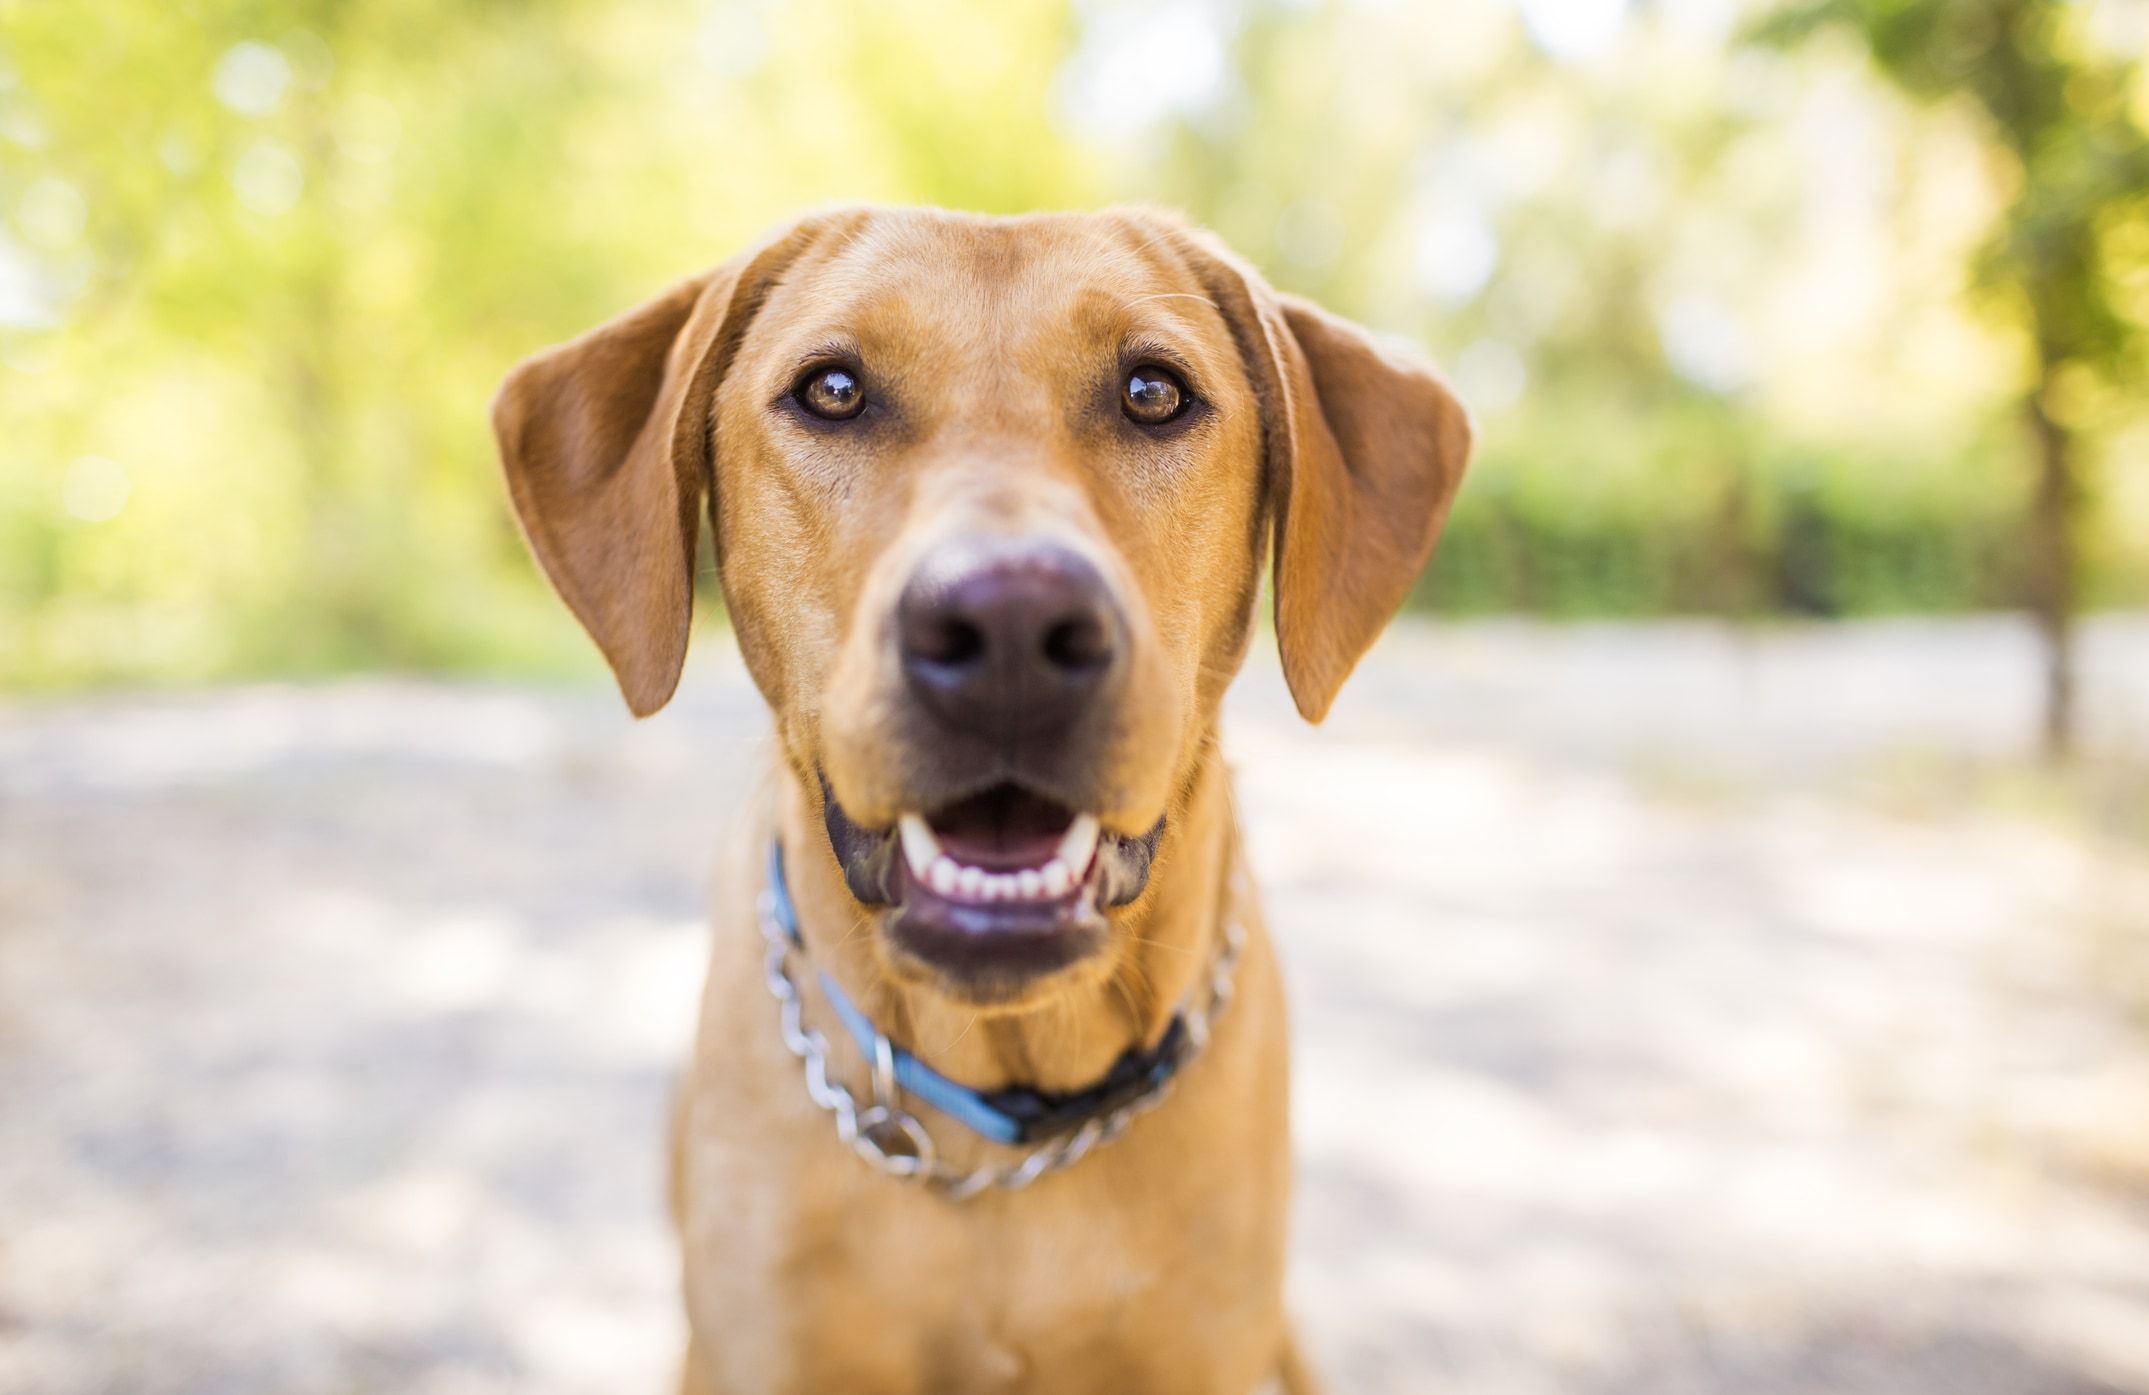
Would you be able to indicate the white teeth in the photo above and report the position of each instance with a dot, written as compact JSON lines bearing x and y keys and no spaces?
{"x":1060,"y":874}
{"x":919,"y":844}
{"x":1078,"y":844}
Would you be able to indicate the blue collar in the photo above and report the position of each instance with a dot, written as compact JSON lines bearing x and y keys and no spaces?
{"x":1016,"y":1115}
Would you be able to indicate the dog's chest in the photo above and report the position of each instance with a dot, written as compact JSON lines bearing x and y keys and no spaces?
{"x":1153,"y":1265}
{"x":1078,"y":1286}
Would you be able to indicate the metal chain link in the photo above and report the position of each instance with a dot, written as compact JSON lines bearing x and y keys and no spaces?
{"x":896,"y":1143}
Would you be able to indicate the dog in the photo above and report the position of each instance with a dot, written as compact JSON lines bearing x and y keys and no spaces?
{"x":990,"y":1085}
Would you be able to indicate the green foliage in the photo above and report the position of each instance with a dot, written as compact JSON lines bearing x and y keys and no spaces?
{"x":292,"y":247}
{"x":262,"y":263}
{"x":2069,"y":256}
{"x":1695,"y":518}
{"x":2062,"y":110}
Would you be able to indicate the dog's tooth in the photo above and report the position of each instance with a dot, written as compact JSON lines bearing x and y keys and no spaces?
{"x":1079,"y":844}
{"x":1029,"y":884}
{"x":944,"y":875}
{"x":1055,"y":878}
{"x":920,"y":847}
{"x":970,"y":884}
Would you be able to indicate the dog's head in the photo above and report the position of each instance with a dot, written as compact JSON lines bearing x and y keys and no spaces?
{"x":992,"y":499}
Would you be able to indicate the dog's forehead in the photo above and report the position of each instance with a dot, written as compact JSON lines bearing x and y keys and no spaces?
{"x":998,"y":285}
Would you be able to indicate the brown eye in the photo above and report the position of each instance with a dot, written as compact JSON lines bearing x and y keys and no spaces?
{"x":1153,"y":396}
{"x":832,"y":392}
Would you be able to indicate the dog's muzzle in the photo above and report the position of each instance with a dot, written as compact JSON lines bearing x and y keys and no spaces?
{"x":1013,"y":654}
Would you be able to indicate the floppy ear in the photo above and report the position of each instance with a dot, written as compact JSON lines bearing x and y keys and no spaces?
{"x":606,"y":444}
{"x":1377,"y":445}
{"x":1366,"y":448}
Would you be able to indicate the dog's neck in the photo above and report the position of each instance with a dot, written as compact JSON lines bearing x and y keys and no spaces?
{"x":1160,"y":947}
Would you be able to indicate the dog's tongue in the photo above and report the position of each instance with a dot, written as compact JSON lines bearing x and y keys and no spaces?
{"x":1002,"y":829}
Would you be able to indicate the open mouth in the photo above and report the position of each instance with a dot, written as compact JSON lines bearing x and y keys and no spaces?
{"x":1002,"y":885}
{"x":1003,"y":845}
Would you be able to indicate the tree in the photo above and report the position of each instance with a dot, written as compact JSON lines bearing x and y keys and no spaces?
{"x":262,"y":263}
{"x":2064,"y":120}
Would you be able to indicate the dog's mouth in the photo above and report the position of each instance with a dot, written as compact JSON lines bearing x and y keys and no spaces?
{"x":997,"y":888}
{"x":1005,"y":844}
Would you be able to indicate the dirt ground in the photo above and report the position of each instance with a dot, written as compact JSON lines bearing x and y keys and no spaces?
{"x":1674,"y":1014}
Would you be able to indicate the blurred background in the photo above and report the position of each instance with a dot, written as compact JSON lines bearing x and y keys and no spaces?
{"x":1719,"y":913}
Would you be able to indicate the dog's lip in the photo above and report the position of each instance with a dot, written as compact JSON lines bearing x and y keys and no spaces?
{"x":997,"y":942}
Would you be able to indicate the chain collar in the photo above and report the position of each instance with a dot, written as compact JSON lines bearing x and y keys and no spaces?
{"x":892,"y":1139}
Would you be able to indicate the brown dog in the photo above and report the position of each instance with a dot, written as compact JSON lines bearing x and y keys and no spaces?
{"x":991,"y":499}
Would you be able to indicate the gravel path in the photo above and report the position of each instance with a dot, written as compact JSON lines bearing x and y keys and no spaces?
{"x":1640,"y":1047}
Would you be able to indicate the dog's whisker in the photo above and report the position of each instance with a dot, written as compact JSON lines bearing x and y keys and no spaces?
{"x":957,"y":1039}
{"x":1166,"y":944}
{"x":1134,"y":1011}
{"x":1174,"y":295}
{"x":861,"y":929}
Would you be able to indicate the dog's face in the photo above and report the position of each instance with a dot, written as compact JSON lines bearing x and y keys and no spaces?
{"x":992,"y":499}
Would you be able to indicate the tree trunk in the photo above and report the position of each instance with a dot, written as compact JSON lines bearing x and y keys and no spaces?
{"x":2052,"y":566}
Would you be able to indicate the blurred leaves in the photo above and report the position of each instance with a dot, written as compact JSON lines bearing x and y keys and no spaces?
{"x":2064,"y":265}
{"x":283,"y":252}
{"x":262,"y":263}
{"x":2067,"y":117}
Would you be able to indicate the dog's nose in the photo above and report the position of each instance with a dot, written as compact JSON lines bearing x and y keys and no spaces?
{"x":1008,"y":638}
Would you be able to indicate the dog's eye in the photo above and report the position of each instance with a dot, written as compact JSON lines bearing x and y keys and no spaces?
{"x":832,"y":391}
{"x":1152,"y":396}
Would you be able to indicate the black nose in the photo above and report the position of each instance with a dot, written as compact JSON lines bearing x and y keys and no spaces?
{"x":1007,"y":638}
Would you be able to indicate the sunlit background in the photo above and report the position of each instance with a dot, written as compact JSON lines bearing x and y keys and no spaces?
{"x":1720,"y":917}
{"x":1715,"y":291}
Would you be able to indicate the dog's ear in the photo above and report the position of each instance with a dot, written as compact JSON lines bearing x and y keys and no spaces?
{"x":1366,"y":448}
{"x":606,"y":444}
{"x":1376,"y":445}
